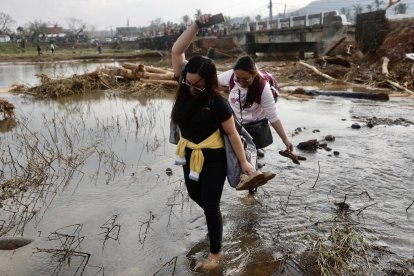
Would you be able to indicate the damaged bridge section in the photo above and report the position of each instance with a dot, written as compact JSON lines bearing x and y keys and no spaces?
{"x":316,"y":33}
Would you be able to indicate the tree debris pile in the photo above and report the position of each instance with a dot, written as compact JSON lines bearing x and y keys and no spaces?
{"x":6,"y":108}
{"x":129,"y":78}
{"x":77,"y":84}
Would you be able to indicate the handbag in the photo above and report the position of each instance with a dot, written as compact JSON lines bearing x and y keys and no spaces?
{"x":234,"y":170}
{"x":261,"y":133}
{"x":259,"y":130}
{"x":174,"y":133}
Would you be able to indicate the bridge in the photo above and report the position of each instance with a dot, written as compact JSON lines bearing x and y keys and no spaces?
{"x":313,"y":33}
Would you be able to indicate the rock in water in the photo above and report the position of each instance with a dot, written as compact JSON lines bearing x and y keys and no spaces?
{"x":12,"y":243}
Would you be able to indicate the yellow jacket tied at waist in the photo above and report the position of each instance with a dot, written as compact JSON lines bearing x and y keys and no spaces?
{"x":214,"y":141}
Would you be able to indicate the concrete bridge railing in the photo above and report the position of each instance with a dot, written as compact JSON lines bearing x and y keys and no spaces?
{"x":308,"y":20}
{"x":314,"y":33}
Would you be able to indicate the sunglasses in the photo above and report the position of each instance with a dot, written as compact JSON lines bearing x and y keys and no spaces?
{"x":190,"y":86}
{"x":242,"y":80}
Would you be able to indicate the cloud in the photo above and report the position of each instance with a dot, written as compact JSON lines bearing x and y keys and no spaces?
{"x":115,"y":13}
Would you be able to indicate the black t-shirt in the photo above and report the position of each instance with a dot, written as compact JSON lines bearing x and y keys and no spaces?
{"x":207,"y":120}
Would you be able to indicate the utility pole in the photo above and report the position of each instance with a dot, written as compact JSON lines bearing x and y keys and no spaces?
{"x":270,"y":10}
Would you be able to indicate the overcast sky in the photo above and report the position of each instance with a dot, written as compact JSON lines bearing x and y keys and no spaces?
{"x":105,"y":14}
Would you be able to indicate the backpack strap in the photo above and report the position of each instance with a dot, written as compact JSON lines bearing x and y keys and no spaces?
{"x":258,"y":98}
{"x":231,"y":83}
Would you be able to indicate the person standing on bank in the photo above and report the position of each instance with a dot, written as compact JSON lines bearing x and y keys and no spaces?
{"x":200,"y":112}
{"x":252,"y":101}
{"x":39,"y":49}
{"x":52,"y":48}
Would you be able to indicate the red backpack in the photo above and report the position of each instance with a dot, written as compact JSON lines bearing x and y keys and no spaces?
{"x":266,"y":77}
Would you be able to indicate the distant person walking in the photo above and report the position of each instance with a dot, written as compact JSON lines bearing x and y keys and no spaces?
{"x":52,"y":48}
{"x":99,"y":46}
{"x":39,"y":50}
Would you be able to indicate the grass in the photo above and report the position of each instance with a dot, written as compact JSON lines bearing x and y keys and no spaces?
{"x":341,"y":251}
{"x":10,"y":51}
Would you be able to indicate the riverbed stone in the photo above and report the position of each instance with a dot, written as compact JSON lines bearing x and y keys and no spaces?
{"x":12,"y":243}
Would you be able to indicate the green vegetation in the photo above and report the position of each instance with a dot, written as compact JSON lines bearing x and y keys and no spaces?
{"x":10,"y":51}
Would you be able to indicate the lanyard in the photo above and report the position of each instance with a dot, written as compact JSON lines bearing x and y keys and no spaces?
{"x":241,"y":109}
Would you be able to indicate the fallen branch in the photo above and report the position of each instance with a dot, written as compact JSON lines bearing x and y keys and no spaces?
{"x":385,"y":62}
{"x":319,"y":170}
{"x":313,"y":68}
{"x":363,"y":208}
{"x":399,"y":86}
{"x":409,"y":206}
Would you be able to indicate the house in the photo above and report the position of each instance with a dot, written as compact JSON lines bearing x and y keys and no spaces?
{"x":4,"y":38}
{"x":54,"y":33}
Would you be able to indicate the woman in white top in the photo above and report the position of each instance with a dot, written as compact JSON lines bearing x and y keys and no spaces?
{"x":251,"y":98}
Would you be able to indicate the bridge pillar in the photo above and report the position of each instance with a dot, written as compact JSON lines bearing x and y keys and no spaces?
{"x":371,"y":30}
{"x":279,"y":25}
{"x":306,"y":20}
{"x":267,"y":25}
{"x":247,"y":27}
{"x":256,"y":26}
{"x":291,"y":21}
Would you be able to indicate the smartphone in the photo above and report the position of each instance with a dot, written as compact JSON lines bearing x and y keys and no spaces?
{"x":214,"y":19}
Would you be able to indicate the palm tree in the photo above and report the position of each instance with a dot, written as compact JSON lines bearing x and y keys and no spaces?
{"x":186,"y":19}
{"x":198,"y":13}
{"x":378,"y":3}
{"x":357,"y":8}
{"x":400,"y":9}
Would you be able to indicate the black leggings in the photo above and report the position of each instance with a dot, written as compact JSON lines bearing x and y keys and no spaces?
{"x":206,"y":192}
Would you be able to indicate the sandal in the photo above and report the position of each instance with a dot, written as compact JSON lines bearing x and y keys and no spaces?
{"x":295,"y":158}
{"x":249,"y":181}
{"x":267,"y":176}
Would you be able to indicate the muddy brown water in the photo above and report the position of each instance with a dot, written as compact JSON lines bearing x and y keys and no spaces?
{"x":121,"y":209}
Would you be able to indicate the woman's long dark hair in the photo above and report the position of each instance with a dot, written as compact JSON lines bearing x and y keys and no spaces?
{"x":246,"y":63}
{"x":186,"y":104}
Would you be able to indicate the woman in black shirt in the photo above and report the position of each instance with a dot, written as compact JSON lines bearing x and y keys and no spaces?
{"x":201,"y":113}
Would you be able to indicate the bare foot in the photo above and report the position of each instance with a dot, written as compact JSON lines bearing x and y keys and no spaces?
{"x":213,"y":261}
{"x":249,"y":199}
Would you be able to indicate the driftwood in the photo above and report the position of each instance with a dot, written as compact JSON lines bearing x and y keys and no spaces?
{"x":302,"y":93}
{"x":139,"y":71}
{"x":384,"y":67}
{"x":313,"y":68}
{"x":355,"y":95}
{"x":399,"y":86}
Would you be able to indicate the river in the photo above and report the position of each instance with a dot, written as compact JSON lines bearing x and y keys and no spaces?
{"x":115,"y":211}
